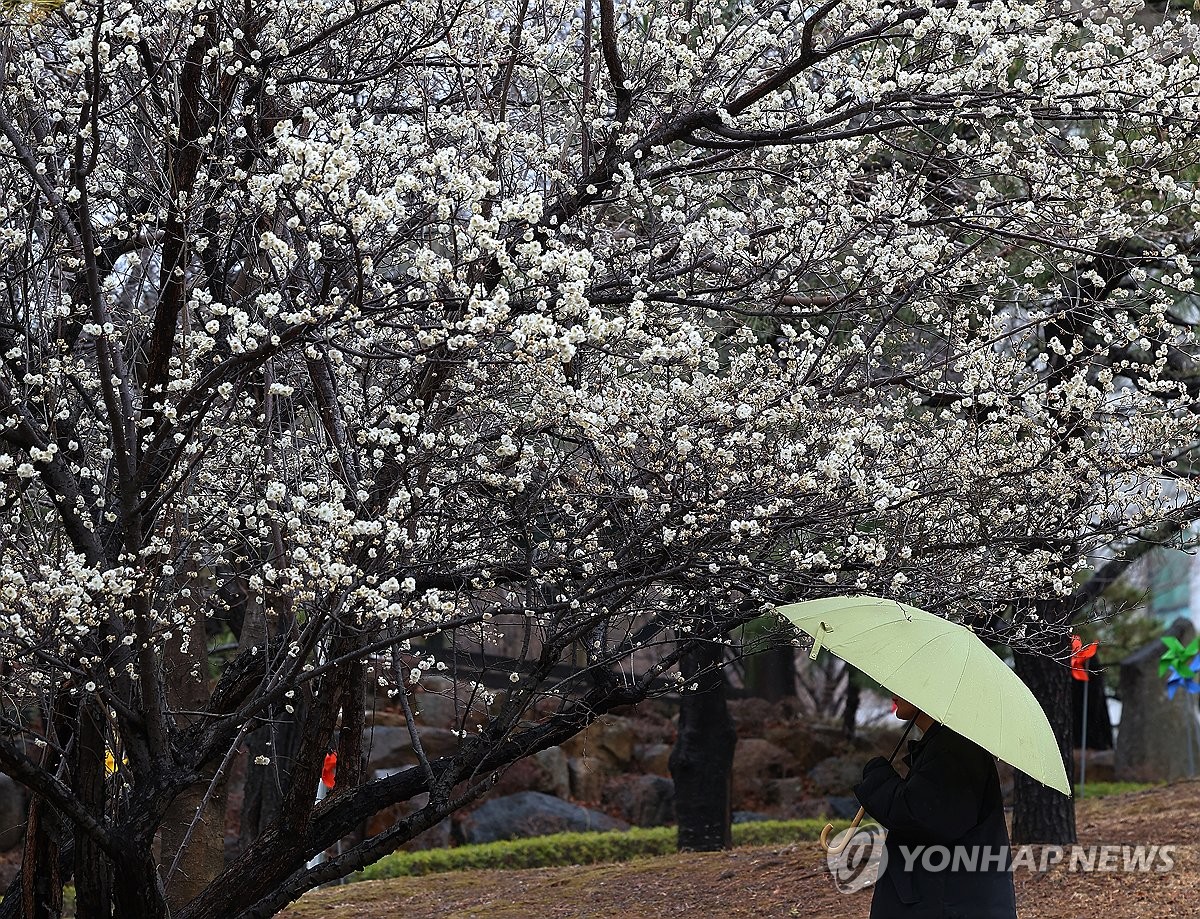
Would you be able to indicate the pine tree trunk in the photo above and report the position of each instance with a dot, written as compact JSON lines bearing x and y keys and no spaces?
{"x":1042,"y":815}
{"x":702,"y":761}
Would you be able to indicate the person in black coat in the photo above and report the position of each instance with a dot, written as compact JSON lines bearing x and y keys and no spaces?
{"x":947,"y":844}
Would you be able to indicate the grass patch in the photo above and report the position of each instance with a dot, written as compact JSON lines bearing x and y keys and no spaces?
{"x":1104,"y":789}
{"x":563,"y":849}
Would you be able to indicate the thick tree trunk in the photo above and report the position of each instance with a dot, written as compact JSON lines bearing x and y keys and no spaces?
{"x":185,"y":662}
{"x":267,"y":786}
{"x":1042,"y":815}
{"x":771,"y":674}
{"x":135,"y":885}
{"x":702,"y":761}
{"x":93,"y":873}
{"x":41,"y":880}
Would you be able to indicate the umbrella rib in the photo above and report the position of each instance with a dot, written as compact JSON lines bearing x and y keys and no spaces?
{"x":961,"y":673}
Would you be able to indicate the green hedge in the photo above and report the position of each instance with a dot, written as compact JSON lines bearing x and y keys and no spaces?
{"x":563,"y":849}
{"x":1104,"y":789}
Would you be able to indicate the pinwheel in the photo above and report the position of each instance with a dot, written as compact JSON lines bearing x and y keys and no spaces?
{"x":1180,"y":665}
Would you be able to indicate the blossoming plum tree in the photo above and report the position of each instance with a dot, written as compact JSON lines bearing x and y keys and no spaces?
{"x":552,"y":332}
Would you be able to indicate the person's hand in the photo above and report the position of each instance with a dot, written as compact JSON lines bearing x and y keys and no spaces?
{"x":878,"y":762}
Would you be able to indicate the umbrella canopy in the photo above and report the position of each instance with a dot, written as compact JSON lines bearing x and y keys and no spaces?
{"x":944,"y":670}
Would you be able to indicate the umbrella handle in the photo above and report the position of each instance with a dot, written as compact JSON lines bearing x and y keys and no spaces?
{"x":862,"y":810}
{"x":834,"y":850}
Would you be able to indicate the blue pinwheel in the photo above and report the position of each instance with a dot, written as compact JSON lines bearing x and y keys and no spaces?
{"x":1182,"y":664}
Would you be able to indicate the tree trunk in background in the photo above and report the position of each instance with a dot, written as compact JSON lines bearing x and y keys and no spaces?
{"x":771,"y":674}
{"x":1042,"y":815}
{"x":93,"y":873}
{"x":702,"y":761}
{"x":850,"y":711}
{"x":41,"y":888}
{"x":185,"y":664}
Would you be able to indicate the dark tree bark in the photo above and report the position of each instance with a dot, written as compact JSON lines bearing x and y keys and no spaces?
{"x":266,"y":786}
{"x":41,"y":880}
{"x":771,"y":674}
{"x":1042,"y":815}
{"x":93,"y":872}
{"x":850,"y":711}
{"x":702,"y":761}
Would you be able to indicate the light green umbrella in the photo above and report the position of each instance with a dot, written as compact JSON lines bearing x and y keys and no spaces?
{"x":944,"y":670}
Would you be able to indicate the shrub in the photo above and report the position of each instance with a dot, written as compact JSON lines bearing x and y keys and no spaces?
{"x":563,"y":849}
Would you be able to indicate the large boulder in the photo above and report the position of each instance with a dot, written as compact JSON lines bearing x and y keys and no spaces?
{"x":752,"y":715}
{"x":531,"y":813}
{"x":588,"y":776}
{"x":441,"y":702}
{"x":608,"y":739}
{"x":785,"y":794}
{"x":1158,"y":736}
{"x":643,"y":800}
{"x":653,"y":758}
{"x":437,"y":836}
{"x":808,"y":743}
{"x":545,"y":771}
{"x":390,"y":747}
{"x":1100,"y":766}
{"x":838,"y":774}
{"x":756,"y":763}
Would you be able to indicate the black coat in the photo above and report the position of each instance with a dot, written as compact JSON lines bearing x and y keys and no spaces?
{"x":949,"y":799}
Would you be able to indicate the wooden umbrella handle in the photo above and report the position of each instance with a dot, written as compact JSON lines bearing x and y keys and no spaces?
{"x":862,"y":810}
{"x":849,"y":833}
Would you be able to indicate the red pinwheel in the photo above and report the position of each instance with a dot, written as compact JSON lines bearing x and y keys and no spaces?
{"x":328,"y":770}
{"x":1079,"y":657}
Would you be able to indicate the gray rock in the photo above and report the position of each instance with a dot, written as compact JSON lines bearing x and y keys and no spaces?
{"x":609,"y":739}
{"x":531,"y":813}
{"x":838,"y":774}
{"x":588,"y":775}
{"x":842,"y":806}
{"x":653,"y":757}
{"x":1159,"y":738}
{"x":750,"y":817}
{"x":12,"y":813}
{"x":390,"y":747}
{"x":643,"y":800}
{"x":807,"y":809}
{"x":554,"y":761}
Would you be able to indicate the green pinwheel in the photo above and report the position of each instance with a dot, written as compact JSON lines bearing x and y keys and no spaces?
{"x":1179,"y":664}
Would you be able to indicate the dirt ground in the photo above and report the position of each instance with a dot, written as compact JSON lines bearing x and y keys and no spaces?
{"x":793,"y":880}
